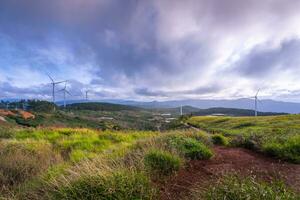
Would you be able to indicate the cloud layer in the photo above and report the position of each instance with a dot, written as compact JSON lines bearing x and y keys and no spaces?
{"x":157,"y":49}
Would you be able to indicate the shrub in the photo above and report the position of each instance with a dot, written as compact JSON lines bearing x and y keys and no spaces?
{"x":219,"y":139}
{"x":20,"y":161}
{"x":288,"y":150}
{"x":190,"y":147}
{"x":6,"y":133}
{"x":118,"y":185}
{"x":234,"y":187}
{"x":161,"y":162}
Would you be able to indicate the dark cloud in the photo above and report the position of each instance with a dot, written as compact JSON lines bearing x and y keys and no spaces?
{"x":204,"y":90}
{"x":149,"y":45}
{"x":264,"y":60}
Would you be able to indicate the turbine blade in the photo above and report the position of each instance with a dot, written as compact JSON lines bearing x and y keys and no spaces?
{"x":257,"y":92}
{"x":50,"y":78}
{"x":68,"y":92}
{"x":59,"y":82}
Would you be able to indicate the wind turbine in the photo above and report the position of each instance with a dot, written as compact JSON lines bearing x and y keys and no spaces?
{"x":255,"y":102}
{"x":86,"y":95}
{"x":53,"y":88}
{"x":65,"y":91}
{"x":181,"y":113}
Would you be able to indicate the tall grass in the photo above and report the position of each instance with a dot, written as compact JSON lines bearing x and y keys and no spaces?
{"x":97,"y":165}
{"x":241,"y":188}
{"x":162,"y":163}
{"x":277,"y":136}
{"x":20,"y":161}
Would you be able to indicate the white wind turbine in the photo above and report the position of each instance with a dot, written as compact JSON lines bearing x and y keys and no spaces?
{"x":255,"y":102}
{"x":53,"y":83}
{"x":87,"y":95}
{"x":181,"y":113}
{"x":65,"y":91}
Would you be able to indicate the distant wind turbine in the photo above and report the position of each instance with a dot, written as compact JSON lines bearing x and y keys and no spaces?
{"x":65,"y":91}
{"x":86,"y":95}
{"x":53,"y":87}
{"x":255,"y":102}
{"x":181,"y":113}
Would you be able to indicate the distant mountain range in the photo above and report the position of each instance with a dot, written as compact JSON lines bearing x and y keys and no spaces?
{"x":263,"y":105}
{"x":244,"y":103}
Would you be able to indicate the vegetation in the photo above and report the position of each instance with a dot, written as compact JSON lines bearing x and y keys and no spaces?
{"x":232,"y":112}
{"x":48,"y":158}
{"x":219,"y":139}
{"x":235,"y":187}
{"x":66,"y":163}
{"x":117,"y":185}
{"x":190,"y":147}
{"x":99,"y":106}
{"x":162,"y":163}
{"x":20,"y":161}
{"x":274,"y":135}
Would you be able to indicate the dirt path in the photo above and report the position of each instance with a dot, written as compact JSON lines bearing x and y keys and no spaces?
{"x":228,"y":160}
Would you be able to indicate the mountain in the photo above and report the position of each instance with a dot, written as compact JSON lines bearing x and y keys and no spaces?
{"x":263,"y":106}
{"x":232,"y":112}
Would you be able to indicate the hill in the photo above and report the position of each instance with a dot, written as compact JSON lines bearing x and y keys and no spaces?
{"x":189,"y":110}
{"x":232,"y":112}
{"x":265,"y":105}
{"x":101,"y":106}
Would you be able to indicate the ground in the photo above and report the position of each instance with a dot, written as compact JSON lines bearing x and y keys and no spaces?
{"x":226,"y":160}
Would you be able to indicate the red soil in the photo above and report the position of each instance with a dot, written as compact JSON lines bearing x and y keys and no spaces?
{"x":26,"y":115}
{"x":228,"y":160}
{"x":6,"y":113}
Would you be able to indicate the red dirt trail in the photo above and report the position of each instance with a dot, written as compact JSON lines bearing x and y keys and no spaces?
{"x":228,"y":160}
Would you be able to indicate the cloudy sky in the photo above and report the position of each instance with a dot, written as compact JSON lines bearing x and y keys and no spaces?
{"x":151,"y":49}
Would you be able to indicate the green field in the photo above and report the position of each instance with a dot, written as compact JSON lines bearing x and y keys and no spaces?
{"x":53,"y":163}
{"x":64,"y":162}
{"x":278,"y":136}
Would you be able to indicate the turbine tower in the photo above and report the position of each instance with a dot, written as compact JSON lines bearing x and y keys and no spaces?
{"x":181,"y":113}
{"x":53,"y":83}
{"x":65,"y":91}
{"x":86,"y":95}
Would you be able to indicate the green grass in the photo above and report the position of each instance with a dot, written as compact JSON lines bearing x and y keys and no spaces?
{"x":219,"y":139}
{"x":277,"y":136}
{"x":190,"y":147}
{"x":69,"y":163}
{"x":234,"y":187}
{"x":162,"y":162}
{"x":78,"y":144}
{"x":20,"y":161}
{"x":117,"y":185}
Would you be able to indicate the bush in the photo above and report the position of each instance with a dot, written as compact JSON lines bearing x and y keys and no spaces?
{"x":234,"y":187}
{"x":219,"y":139}
{"x":161,"y":162}
{"x":190,"y":147}
{"x":6,"y":133}
{"x":118,"y":185}
{"x":20,"y":161}
{"x":288,"y":150}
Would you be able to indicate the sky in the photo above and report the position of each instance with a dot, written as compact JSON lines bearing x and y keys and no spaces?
{"x":151,"y":49}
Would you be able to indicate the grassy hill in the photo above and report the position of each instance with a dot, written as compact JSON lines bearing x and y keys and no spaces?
{"x":87,"y":163}
{"x":189,"y":110}
{"x":233,"y":112}
{"x":274,"y":135}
